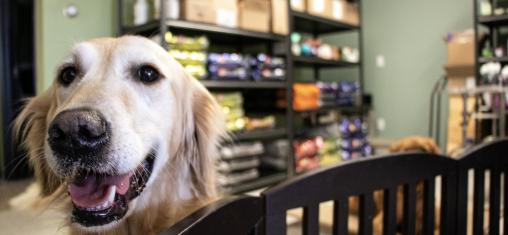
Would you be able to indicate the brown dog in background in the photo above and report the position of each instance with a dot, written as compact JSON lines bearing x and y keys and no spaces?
{"x":407,"y":144}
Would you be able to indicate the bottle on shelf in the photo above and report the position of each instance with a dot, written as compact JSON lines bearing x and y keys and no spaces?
{"x":140,"y":12}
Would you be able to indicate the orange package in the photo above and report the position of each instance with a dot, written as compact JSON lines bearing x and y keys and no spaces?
{"x":306,"y":96}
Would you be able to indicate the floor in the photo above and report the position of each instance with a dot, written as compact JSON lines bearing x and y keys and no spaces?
{"x":48,"y":222}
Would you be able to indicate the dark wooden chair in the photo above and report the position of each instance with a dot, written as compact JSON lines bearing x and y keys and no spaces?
{"x":228,"y":216}
{"x":361,"y":178}
{"x":491,"y":157}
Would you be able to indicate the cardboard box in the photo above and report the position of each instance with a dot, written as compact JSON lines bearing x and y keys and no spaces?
{"x":280,"y":24}
{"x":199,"y":11}
{"x":227,"y":12}
{"x":344,"y":11}
{"x":299,"y":5}
{"x":220,"y":12}
{"x":255,"y":15}
{"x":322,"y":8}
{"x":461,"y":49}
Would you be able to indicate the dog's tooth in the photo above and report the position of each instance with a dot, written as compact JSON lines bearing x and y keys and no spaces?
{"x":111,"y":195}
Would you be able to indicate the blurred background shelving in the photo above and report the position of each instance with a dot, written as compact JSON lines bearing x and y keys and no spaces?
{"x":254,"y":99}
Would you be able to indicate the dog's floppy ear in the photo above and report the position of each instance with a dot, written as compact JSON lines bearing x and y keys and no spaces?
{"x":201,"y":128}
{"x":30,"y":129}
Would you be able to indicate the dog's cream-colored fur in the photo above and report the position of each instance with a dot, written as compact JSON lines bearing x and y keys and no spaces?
{"x":176,"y":115}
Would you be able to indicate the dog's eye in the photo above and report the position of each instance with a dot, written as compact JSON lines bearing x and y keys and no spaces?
{"x":67,"y":75}
{"x":148,"y":74}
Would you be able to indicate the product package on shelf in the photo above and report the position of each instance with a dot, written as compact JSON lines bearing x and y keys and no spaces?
{"x":276,"y":155}
{"x":256,"y":123}
{"x":239,"y":162}
{"x":354,"y":139}
{"x":313,"y":47}
{"x":264,"y":67}
{"x":234,"y":178}
{"x":232,"y":66}
{"x":306,"y":96}
{"x":342,"y":93}
{"x":191,"y":52}
{"x":306,"y":153}
{"x":232,"y":106}
{"x":241,"y":150}
{"x":227,"y":66}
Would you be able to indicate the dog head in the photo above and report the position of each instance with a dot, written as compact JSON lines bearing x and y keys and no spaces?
{"x":120,"y":116}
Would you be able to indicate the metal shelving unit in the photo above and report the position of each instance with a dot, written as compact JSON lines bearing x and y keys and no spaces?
{"x":317,"y":26}
{"x":492,"y":23}
{"x":238,"y":38}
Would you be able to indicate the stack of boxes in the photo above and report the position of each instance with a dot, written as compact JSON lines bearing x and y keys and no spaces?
{"x":338,"y":10}
{"x":239,"y":163}
{"x":255,"y":15}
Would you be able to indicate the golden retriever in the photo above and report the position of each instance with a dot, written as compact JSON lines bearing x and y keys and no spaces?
{"x":123,"y":137}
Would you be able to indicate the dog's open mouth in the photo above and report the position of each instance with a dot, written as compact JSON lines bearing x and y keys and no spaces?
{"x":100,"y":199}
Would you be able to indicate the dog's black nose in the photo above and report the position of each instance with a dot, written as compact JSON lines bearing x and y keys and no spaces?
{"x":78,"y":133}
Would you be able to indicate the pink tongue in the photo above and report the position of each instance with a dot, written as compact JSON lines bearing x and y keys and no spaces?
{"x":91,"y":192}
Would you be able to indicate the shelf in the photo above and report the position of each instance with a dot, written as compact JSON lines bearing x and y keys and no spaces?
{"x":223,"y":34}
{"x":314,"y":61}
{"x":491,"y":89}
{"x":260,"y":134}
{"x":500,"y":20}
{"x":211,"y":84}
{"x":147,"y":29}
{"x":484,"y":60}
{"x":261,"y":182}
{"x":346,"y":109}
{"x":318,"y":25}
{"x":215,"y":33}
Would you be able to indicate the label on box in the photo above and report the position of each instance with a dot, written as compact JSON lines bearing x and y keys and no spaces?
{"x":319,"y":5}
{"x":226,"y":18}
{"x":338,"y":9}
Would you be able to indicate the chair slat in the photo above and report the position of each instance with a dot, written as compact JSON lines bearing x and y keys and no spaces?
{"x":448,"y":203}
{"x":275,"y":224}
{"x":494,"y":202}
{"x":366,"y":214}
{"x":428,"y":206}
{"x":340,"y":216}
{"x":462,"y":201}
{"x":408,"y":223}
{"x":310,"y":220}
{"x":390,"y":211}
{"x":478,"y":201}
{"x":505,"y":203}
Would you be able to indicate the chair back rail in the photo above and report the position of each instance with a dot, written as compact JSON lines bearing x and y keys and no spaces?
{"x":415,"y":172}
{"x":362,"y":178}
{"x":228,"y":216}
{"x":491,"y":157}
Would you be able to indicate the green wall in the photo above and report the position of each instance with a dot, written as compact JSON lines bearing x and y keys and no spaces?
{"x":57,"y":33}
{"x":409,"y":34}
